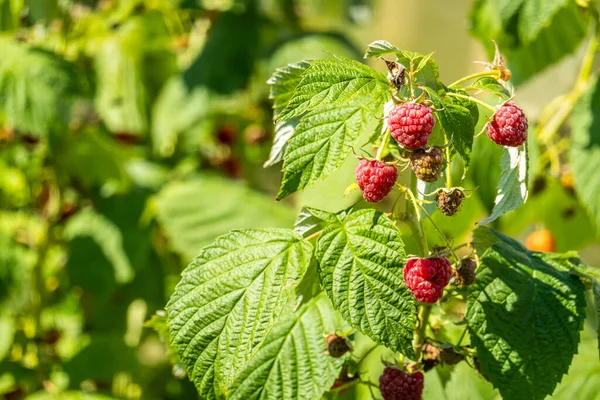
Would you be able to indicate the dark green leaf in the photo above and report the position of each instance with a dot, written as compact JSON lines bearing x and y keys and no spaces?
{"x":311,"y":220}
{"x":292,"y":362}
{"x":360,"y":258}
{"x":228,"y":299}
{"x":524,"y":312}
{"x":283,"y":82}
{"x":322,"y":141}
{"x":332,"y":82}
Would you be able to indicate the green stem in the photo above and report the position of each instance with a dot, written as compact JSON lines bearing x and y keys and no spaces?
{"x":414,"y":220}
{"x":473,"y":99}
{"x":492,"y":74}
{"x":419,"y":336}
{"x":461,"y":337}
{"x":448,"y":169}
{"x":383,"y":146}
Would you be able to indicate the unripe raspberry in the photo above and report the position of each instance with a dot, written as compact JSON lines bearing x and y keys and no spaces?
{"x":411,"y":124}
{"x":509,"y":125}
{"x":427,"y":163}
{"x":427,"y":277}
{"x":396,"y":384}
{"x":465,"y":274}
{"x":337,"y":345}
{"x":449,"y":201}
{"x":375,"y":178}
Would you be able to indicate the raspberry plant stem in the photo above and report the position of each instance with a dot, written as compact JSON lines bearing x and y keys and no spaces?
{"x":492,"y":74}
{"x":448,"y":169}
{"x":419,"y":336}
{"x":383,"y":146}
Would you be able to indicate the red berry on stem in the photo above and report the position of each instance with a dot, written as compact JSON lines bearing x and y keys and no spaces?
{"x":427,"y":277}
{"x":396,"y":384}
{"x":375,"y":178}
{"x":411,"y":124}
{"x":508,"y":126}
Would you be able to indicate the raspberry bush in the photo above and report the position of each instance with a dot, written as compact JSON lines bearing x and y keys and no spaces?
{"x":261,"y":310}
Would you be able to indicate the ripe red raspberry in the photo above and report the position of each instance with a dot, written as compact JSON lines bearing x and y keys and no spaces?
{"x":427,"y":277}
{"x":375,"y":179}
{"x":411,"y":124}
{"x":508,"y":126}
{"x":337,"y":345}
{"x":396,"y":384}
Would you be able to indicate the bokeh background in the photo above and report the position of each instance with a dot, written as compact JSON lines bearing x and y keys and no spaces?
{"x":134,"y":132}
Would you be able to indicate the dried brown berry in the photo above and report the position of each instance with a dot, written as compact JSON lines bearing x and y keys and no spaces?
{"x":465,"y":274}
{"x":427,"y":163}
{"x":337,"y":345}
{"x":449,"y":201}
{"x":450,"y":357}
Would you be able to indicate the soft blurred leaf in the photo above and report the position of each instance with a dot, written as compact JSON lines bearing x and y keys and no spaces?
{"x":223,"y":68}
{"x":93,"y":159}
{"x":533,"y":36}
{"x":36,"y":88}
{"x":194,"y":212}
{"x":107,"y":236}
{"x":585,"y":150}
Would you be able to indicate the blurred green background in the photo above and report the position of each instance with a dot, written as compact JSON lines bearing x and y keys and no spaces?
{"x":132,"y":133}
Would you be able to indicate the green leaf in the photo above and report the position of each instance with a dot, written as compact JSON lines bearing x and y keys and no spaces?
{"x":332,"y":82}
{"x":512,"y":188}
{"x":359,"y":258}
{"x":322,"y":141}
{"x":585,"y":150}
{"x":491,"y":85}
{"x":210,"y":82}
{"x":532,"y":37}
{"x":284,"y":130}
{"x":102,"y":157}
{"x":292,"y":362}
{"x":108,"y":237}
{"x":311,"y":220}
{"x":524,"y":313}
{"x":283,"y":82}
{"x":195,"y":211}
{"x":536,"y":15}
{"x":380,"y":48}
{"x":459,"y":125}
{"x":37,"y":88}
{"x":596,"y":294}
{"x":466,"y":383}
{"x":228,"y":299}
